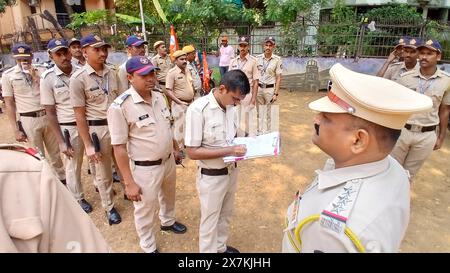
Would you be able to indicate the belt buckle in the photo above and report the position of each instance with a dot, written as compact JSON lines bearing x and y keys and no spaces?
{"x":416,"y":128}
{"x":40,"y":113}
{"x":263,"y":85}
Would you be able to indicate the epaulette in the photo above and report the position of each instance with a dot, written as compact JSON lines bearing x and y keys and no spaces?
{"x":413,"y":71}
{"x":46,"y":72}
{"x":200,"y":103}
{"x":172,"y":69}
{"x":121,"y":98}
{"x":253,"y":57}
{"x":8,"y":70}
{"x":397,"y":63}
{"x":78,"y":72}
{"x":110,"y":66}
{"x":24,"y":149}
{"x":445,"y":73}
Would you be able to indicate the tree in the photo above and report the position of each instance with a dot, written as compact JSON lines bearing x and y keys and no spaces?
{"x":6,"y":3}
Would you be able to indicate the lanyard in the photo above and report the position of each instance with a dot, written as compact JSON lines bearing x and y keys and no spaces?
{"x":64,"y":82}
{"x":100,"y":84}
{"x":265,"y":65}
{"x":423,"y":87}
{"x":243,"y":64}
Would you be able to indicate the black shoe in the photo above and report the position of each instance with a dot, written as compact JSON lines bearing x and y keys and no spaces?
{"x":116,"y":177}
{"x":156,"y":251}
{"x":113,"y":217}
{"x":175,"y":228}
{"x":85,"y":205}
{"x":231,"y":249}
{"x":89,"y":171}
{"x":63,"y":181}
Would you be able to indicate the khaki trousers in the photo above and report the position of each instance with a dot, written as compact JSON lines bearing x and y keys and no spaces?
{"x":103,"y":171}
{"x":73,"y":165}
{"x":39,"y":134}
{"x":217,"y":195}
{"x":264,"y":108}
{"x":158,"y":190}
{"x":248,"y":122}
{"x":413,"y":148}
{"x":179,"y":122}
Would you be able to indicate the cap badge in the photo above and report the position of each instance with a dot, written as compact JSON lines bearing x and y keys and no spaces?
{"x":144,"y":60}
{"x":243,"y":39}
{"x":270,"y":38}
{"x":429,"y":42}
{"x":401,"y":41}
{"x":57,"y":42}
{"x":97,"y":38}
{"x":21,"y":50}
{"x":412,"y":42}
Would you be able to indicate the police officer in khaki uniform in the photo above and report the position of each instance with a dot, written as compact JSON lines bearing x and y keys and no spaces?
{"x":410,"y":55}
{"x":396,"y":56}
{"x":139,"y":122}
{"x":162,"y":61}
{"x":55,"y":97}
{"x":249,"y":65}
{"x":360,"y":201}
{"x":196,"y":80}
{"x":78,"y":59}
{"x":20,"y":87}
{"x":92,"y":90}
{"x":180,"y":90}
{"x":270,"y":66}
{"x":38,"y":214}
{"x":135,"y":47}
{"x":425,"y":132}
{"x":210,"y":129}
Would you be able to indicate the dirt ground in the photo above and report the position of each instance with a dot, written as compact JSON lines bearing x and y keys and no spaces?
{"x":267,"y":186}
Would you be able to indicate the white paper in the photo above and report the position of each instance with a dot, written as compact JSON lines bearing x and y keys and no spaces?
{"x":258,"y":146}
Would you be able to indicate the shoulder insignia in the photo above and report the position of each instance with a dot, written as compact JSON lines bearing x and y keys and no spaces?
{"x":445,"y":73}
{"x":24,"y":149}
{"x":78,"y":72}
{"x":410,"y":72}
{"x":9,"y":70}
{"x":47,"y":72}
{"x":121,"y":98}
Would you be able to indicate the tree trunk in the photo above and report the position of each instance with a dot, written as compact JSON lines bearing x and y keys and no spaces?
{"x":34,"y":34}
{"x":49,"y":17}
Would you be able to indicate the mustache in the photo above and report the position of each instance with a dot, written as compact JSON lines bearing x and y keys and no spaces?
{"x":317,"y":128}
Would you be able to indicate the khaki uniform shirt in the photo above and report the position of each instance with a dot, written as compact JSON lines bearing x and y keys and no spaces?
{"x":269,"y":68}
{"x":379,"y":217}
{"x":26,"y":93}
{"x":196,"y":80}
{"x":210,"y":126}
{"x":55,"y":91}
{"x":249,"y":65}
{"x":38,"y":214}
{"x":122,"y":78}
{"x":396,"y":69}
{"x":437,"y":87}
{"x":180,"y":83}
{"x":143,"y":125}
{"x":164,"y":64}
{"x":76,"y":63}
{"x":95,"y":92}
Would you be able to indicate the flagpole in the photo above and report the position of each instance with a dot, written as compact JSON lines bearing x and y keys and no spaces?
{"x":143,"y":24}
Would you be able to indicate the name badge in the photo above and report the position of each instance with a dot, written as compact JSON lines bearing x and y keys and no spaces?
{"x":143,"y":117}
{"x":59,"y":86}
{"x":94,"y":88}
{"x":180,"y":78}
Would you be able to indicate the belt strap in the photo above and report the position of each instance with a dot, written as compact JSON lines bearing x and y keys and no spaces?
{"x":100,"y":122}
{"x":164,"y":83}
{"x":68,"y":123}
{"x":216,"y":172}
{"x":263,"y":85}
{"x":148,"y":163}
{"x":423,"y":129}
{"x":34,"y":114}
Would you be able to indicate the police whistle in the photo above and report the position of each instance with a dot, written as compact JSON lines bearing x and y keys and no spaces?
{"x":67,"y":138}
{"x":96,"y":142}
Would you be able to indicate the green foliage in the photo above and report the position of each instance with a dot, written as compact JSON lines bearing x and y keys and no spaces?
{"x":398,"y":13}
{"x":94,"y":17}
{"x":287,"y":11}
{"x":5,"y":3}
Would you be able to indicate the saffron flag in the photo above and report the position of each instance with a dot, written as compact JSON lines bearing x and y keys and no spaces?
{"x":173,"y":45}
{"x":206,"y":76}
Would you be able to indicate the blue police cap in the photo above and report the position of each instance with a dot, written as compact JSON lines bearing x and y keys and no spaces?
{"x":93,"y":40}
{"x":133,"y":40}
{"x":140,"y":65}
{"x":56,"y":44}
{"x":21,"y":50}
{"x":431,"y":44}
{"x":412,"y":42}
{"x":74,"y":40}
{"x":402,"y":41}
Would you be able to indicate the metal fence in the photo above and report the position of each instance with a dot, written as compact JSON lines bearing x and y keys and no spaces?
{"x":302,"y":38}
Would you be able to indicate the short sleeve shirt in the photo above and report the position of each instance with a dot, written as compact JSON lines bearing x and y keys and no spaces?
{"x":249,"y":65}
{"x":55,"y":91}
{"x":180,"y":83}
{"x":164,"y":64}
{"x":210,"y":126}
{"x":437,"y":87}
{"x":144,"y":126}
{"x":26,"y":93}
{"x":395,"y":70}
{"x":269,"y":68}
{"x":93,"y":91}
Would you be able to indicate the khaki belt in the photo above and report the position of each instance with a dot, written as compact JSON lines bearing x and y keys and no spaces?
{"x":419,"y":128}
{"x":35,"y":114}
{"x":100,"y":122}
{"x":187,"y":101}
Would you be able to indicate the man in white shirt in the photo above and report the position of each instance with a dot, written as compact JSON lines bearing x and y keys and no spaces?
{"x":226,"y":53}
